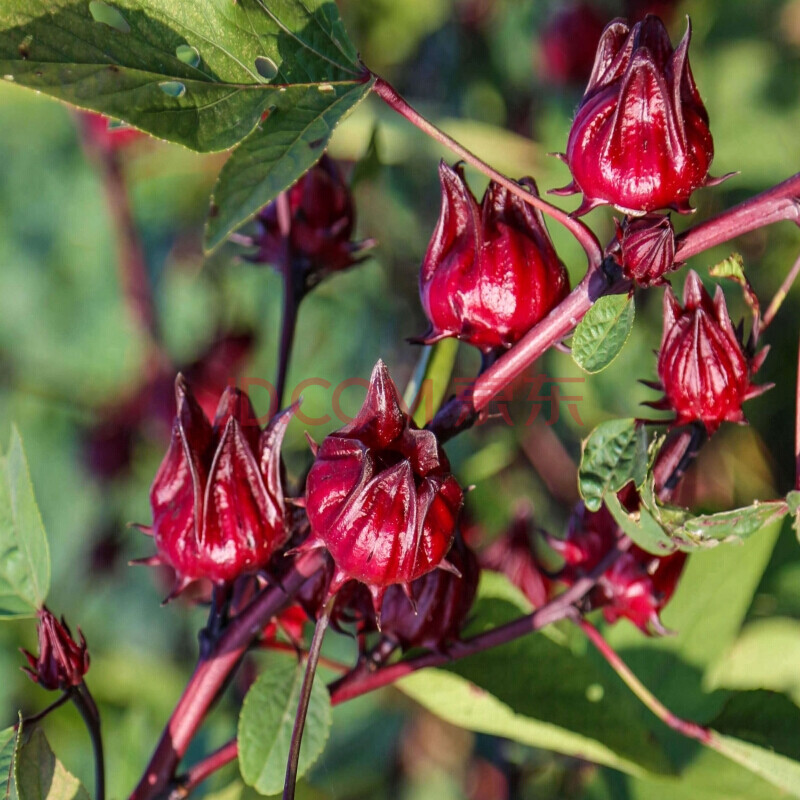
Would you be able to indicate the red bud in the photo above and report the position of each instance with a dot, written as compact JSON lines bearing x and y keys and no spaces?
{"x":62,"y":662}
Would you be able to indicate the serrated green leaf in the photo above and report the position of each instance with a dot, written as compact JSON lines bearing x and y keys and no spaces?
{"x":9,"y":742}
{"x":24,"y":552}
{"x":281,"y":148}
{"x":602,"y":333}
{"x":128,"y":59}
{"x":614,"y":454}
{"x":39,"y":775}
{"x":537,"y":692}
{"x":267,"y":719}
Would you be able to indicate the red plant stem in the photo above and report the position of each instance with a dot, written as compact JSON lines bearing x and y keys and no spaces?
{"x":205,"y":768}
{"x":781,"y":202}
{"x":82,"y":700}
{"x":686,"y":728}
{"x":286,"y":647}
{"x":780,"y":295}
{"x":584,"y":236}
{"x":211,"y":674}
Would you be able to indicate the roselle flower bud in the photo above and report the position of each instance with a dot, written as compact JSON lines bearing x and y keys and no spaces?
{"x":637,"y":586}
{"x":217,"y":499}
{"x":322,"y":220}
{"x":640,"y":139}
{"x":512,"y":554}
{"x":646,"y":248}
{"x":568,"y":42}
{"x":703,"y":369}
{"x":441,"y":603}
{"x":62,"y":662}
{"x":490,"y":272}
{"x":380,"y":497}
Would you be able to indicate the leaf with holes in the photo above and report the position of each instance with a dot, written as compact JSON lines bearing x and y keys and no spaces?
{"x":280,"y":149}
{"x":199,"y":74}
{"x":614,"y":454}
{"x":267,"y":719}
{"x":602,"y":333}
{"x":24,"y":552}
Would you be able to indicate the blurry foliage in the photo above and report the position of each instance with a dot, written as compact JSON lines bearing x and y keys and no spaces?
{"x":68,"y":348}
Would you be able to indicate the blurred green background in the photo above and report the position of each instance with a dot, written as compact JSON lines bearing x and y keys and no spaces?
{"x":72,"y":358}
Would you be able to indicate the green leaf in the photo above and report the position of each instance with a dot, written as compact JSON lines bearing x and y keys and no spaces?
{"x":641,"y":528}
{"x":40,"y":775}
{"x":281,"y":148}
{"x":199,"y":74}
{"x":536,"y":691}
{"x":24,"y":552}
{"x":602,"y":333}
{"x":9,"y":742}
{"x":267,"y":719}
{"x":614,"y":454}
{"x":731,"y":267}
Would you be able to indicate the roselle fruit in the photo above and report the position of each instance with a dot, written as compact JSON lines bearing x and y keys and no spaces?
{"x":62,"y":662}
{"x":322,"y":220}
{"x":441,"y":601}
{"x":702,"y":367}
{"x":217,"y":499}
{"x":640,"y":139}
{"x":380,"y":497}
{"x":645,"y":248}
{"x":636,"y":587}
{"x":490,"y":272}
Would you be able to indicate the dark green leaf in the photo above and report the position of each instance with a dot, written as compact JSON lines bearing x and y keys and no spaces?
{"x":641,"y":528}
{"x":9,"y":741}
{"x":192,"y":73}
{"x":602,"y":333}
{"x":267,"y":719}
{"x":614,"y":454}
{"x":24,"y":552}
{"x":288,"y":143}
{"x":41,"y":776}
{"x":540,"y":693}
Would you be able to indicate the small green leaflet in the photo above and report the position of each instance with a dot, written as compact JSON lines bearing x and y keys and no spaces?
{"x":39,"y":775}
{"x":602,"y":333}
{"x":614,"y":454}
{"x":9,"y":742}
{"x":267,"y":719}
{"x":24,"y":552}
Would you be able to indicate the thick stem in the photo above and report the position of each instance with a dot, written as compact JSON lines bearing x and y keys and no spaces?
{"x":87,"y":708}
{"x":781,"y":202}
{"x":780,"y":295}
{"x":682,"y":726}
{"x":461,"y":411}
{"x":211,"y":674}
{"x":584,"y":236}
{"x":290,"y":782}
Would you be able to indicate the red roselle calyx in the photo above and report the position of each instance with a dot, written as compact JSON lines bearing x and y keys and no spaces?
{"x":380,"y":497}
{"x":637,"y":586}
{"x":705,"y":373}
{"x":640,"y":140}
{"x":512,"y":554}
{"x":441,"y":601}
{"x":645,"y":248}
{"x":490,"y":272}
{"x":217,"y":499}
{"x":62,"y":662}
{"x":322,"y":220}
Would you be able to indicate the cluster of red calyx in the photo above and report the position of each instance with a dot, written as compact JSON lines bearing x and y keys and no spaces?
{"x":568,"y":42}
{"x":490,"y":272}
{"x":645,"y":248}
{"x":321,"y":223}
{"x":217,"y":499}
{"x":512,"y":554}
{"x":640,"y":140}
{"x":636,"y":587}
{"x":62,"y":662}
{"x":703,"y":369}
{"x":380,"y":498}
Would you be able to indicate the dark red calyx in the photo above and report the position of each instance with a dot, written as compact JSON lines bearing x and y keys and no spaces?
{"x":62,"y":662}
{"x":645,"y":247}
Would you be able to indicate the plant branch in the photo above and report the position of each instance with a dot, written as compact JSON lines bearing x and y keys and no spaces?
{"x":781,"y":202}
{"x":212,"y":673}
{"x":84,"y":702}
{"x":780,"y":295}
{"x":40,"y":715}
{"x":292,"y":295}
{"x":686,"y":728}
{"x":584,"y":236}
{"x":204,"y":769}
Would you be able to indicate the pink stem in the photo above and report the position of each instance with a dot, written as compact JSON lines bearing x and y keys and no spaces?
{"x":781,"y":202}
{"x":211,"y":674}
{"x":207,"y":767}
{"x":581,"y":232}
{"x":780,"y":295}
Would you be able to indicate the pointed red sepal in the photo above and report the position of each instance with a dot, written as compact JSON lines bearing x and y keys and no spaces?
{"x":148,"y":561}
{"x":446,"y":566}
{"x":147,"y":530}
